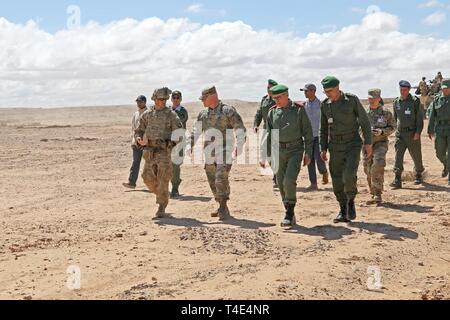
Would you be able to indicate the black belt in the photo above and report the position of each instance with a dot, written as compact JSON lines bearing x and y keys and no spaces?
{"x":407,"y":129}
{"x":290,"y":144}
{"x":343,"y":137}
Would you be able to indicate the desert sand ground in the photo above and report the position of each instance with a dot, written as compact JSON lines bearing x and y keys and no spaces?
{"x":62,"y":204}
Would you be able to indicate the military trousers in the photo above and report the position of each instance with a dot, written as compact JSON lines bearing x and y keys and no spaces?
{"x":158,"y":173}
{"x":374,"y":167}
{"x":344,"y":164}
{"x":405,"y":141}
{"x":288,"y":167}
{"x":218,"y":179}
{"x":442,"y":146}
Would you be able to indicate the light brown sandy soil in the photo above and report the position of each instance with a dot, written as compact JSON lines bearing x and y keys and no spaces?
{"x":62,"y":204}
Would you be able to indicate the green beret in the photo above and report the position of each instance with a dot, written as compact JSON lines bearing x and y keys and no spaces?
{"x":279,"y":89}
{"x":375,"y":93}
{"x":330,"y":82}
{"x":272,"y":83}
{"x":446,"y":84}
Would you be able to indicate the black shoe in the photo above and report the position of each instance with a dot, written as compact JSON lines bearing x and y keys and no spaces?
{"x":342,"y":215}
{"x":351,"y":210}
{"x":445,"y":173}
{"x":419,"y":180}
{"x":397,"y":184}
{"x":289,"y":220}
{"x":175,"y":193}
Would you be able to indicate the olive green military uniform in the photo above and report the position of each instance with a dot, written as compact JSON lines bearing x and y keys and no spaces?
{"x":261,"y":115}
{"x":156,"y":127}
{"x":409,"y":117}
{"x":339,"y":134}
{"x":374,"y":167}
{"x":218,"y":151}
{"x":176,"y":168}
{"x":439,"y":126}
{"x":295,"y":139}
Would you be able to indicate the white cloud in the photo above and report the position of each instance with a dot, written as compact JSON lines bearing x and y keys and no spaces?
{"x":431,"y":4}
{"x":435,"y":19}
{"x":113,"y":63}
{"x":195,"y":8}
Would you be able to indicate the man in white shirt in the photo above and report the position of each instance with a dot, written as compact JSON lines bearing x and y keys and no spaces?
{"x":141,"y":102}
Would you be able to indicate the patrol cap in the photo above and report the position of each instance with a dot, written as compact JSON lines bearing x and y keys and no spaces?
{"x":308,"y":87}
{"x":279,"y":89}
{"x":404,"y":84}
{"x":272,"y":83}
{"x":141,"y":98}
{"x":208,"y":92}
{"x":177,"y":93}
{"x":330,"y":82}
{"x":374,"y":93}
{"x":162,"y":93}
{"x":446,"y":84}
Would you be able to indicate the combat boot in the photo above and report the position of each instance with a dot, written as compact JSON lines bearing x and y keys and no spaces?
{"x":378,"y":199}
{"x":275,"y":183}
{"x":223,"y":212}
{"x":342,"y":215}
{"x":175,"y":193}
{"x":351,"y":210}
{"x":161,"y":213}
{"x":445,"y":172}
{"x":289,"y":220}
{"x":397,"y":184}
{"x":419,"y":179}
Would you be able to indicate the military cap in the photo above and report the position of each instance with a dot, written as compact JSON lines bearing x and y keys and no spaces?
{"x":208,"y":92}
{"x":404,"y":84}
{"x":330,"y":82}
{"x":162,"y":93}
{"x":375,"y":93}
{"x":279,"y":89}
{"x":446,"y":84}
{"x":177,"y":93}
{"x":308,"y":87}
{"x":141,"y":98}
{"x":272,"y":83}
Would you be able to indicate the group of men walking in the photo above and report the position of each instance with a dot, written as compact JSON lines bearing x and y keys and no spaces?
{"x":295,"y":134}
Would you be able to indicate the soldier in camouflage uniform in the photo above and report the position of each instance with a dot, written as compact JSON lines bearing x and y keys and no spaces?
{"x":409,"y":117}
{"x":439,"y":126}
{"x":155,"y":131}
{"x":215,"y":121}
{"x":383,"y":125}
{"x":261,"y":116}
{"x":182,"y":113}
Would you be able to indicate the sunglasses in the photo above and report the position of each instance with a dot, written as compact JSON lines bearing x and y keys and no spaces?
{"x":176,"y":98}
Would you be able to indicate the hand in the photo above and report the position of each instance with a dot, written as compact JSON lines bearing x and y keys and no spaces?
{"x":306,"y":160}
{"x":263,"y":164}
{"x":417,"y":137}
{"x":377,"y":132}
{"x":368,"y":148}
{"x":431,"y":136}
{"x":141,"y":142}
{"x":323,"y":156}
{"x":255,"y":130}
{"x":189,"y":152}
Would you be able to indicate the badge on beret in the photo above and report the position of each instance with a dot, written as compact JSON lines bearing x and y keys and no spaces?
{"x":408,"y":112}
{"x":330,"y":121}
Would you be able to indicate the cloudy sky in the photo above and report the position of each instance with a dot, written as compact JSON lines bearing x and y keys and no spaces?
{"x":64,"y":53}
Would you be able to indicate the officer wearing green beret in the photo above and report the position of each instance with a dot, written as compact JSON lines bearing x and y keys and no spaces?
{"x":342,"y":116}
{"x":182,"y":113}
{"x":439,"y":126}
{"x":383,"y":125}
{"x":409,"y":117}
{"x":291,"y":140}
{"x":267,"y":103}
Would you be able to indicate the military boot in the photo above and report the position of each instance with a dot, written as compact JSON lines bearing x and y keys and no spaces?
{"x":419,"y":179}
{"x":351,"y":210}
{"x":275,"y":183}
{"x":161,"y":213}
{"x":175,"y":192}
{"x":378,"y":199}
{"x":223,"y":212}
{"x":342,"y":215}
{"x":397,"y":183}
{"x":289,"y":219}
{"x":445,"y":172}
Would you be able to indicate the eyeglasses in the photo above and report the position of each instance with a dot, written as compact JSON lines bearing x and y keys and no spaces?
{"x":176,"y":98}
